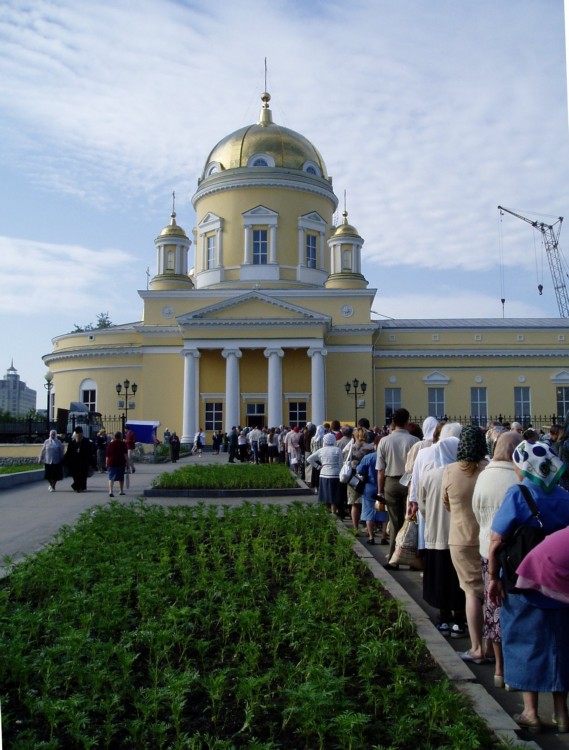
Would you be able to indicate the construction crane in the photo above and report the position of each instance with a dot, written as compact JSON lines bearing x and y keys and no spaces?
{"x":551,"y":242}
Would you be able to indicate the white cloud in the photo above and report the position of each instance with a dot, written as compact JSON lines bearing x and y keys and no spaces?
{"x":47,"y":275}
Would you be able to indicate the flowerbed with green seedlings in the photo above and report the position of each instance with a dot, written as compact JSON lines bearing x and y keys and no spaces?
{"x":235,"y":477}
{"x":180,"y":628}
{"x":18,"y":468}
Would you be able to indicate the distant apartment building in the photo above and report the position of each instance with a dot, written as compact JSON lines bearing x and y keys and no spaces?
{"x":15,"y":396}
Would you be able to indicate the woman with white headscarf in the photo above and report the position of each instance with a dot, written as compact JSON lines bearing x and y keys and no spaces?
{"x":441,"y":588}
{"x":328,"y":460}
{"x":315,"y":444}
{"x":534,"y":626}
{"x":51,"y":457}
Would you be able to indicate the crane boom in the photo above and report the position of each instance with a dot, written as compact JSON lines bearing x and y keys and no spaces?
{"x":551,"y":243}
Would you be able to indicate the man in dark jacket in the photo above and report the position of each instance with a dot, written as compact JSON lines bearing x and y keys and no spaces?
{"x":232,"y":441}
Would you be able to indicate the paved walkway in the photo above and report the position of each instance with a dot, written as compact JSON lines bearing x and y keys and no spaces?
{"x":31,"y":515}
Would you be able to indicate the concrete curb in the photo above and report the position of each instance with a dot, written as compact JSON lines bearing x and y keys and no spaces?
{"x":462,"y":678}
{"x":8,"y":481}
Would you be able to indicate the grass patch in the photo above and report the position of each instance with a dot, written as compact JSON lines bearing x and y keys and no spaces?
{"x":235,"y":477}
{"x":19,"y":468}
{"x":178,"y":629}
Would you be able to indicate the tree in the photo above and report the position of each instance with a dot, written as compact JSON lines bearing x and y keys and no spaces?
{"x":103,"y":321}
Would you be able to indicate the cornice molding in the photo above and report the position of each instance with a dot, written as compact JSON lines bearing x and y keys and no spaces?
{"x":92,"y":352}
{"x":247,"y":180}
{"x":469,"y":353}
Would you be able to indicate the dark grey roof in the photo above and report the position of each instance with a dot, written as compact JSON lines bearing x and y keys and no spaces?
{"x":475,"y":323}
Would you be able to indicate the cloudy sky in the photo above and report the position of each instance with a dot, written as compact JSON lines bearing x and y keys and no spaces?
{"x":429,"y":113}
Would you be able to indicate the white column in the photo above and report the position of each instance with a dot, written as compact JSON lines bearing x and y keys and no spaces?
{"x":275,"y":390}
{"x":321,"y":257}
{"x":272,"y":244}
{"x":219,"y":260}
{"x":232,"y":388}
{"x":318,"y":385}
{"x":301,"y":260}
{"x":191,"y":395}
{"x":247,"y":249}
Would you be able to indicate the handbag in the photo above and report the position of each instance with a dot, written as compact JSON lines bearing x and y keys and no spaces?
{"x":347,"y":471}
{"x":515,"y":546}
{"x":357,"y":482}
{"x":406,"y":544}
{"x":380,"y":506}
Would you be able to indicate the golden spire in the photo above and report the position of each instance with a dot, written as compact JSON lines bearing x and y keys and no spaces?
{"x":173,"y":214}
{"x":266,"y":116}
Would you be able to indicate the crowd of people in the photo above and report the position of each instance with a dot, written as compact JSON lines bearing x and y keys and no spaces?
{"x":82,"y":457}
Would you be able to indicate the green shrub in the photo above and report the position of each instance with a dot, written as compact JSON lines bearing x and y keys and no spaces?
{"x":188,"y":628}
{"x":234,"y":477}
{"x":19,"y":468}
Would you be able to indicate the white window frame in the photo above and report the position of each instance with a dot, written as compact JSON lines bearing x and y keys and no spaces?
{"x":479,"y":403}
{"x":522,"y":403}
{"x":435,"y":397}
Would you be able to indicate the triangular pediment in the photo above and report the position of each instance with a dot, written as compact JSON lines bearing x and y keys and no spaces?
{"x":258,"y":212}
{"x":561,"y":377}
{"x":313,"y":216}
{"x":253,"y":308}
{"x":209,"y":218}
{"x":436,"y":378}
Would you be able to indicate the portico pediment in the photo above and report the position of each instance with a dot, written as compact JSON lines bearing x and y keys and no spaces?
{"x":253,"y":309}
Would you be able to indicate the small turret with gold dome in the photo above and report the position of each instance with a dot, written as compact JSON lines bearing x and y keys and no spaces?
{"x":172,"y":244}
{"x":345,"y":257}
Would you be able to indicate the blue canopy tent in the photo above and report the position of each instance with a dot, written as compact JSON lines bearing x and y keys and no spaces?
{"x":145,"y":431}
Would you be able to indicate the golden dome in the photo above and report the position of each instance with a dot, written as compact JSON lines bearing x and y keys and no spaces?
{"x":345,"y":229}
{"x":284,"y":147}
{"x":173,"y":230}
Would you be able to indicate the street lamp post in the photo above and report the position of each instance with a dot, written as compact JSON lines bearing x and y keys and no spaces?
{"x":48,"y":385}
{"x":133,"y":390}
{"x":362,"y":389}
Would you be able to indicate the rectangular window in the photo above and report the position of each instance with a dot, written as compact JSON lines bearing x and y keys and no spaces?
{"x":210,"y":252}
{"x":562,"y":393}
{"x":346,"y":260}
{"x":478,"y":405}
{"x":297,"y":413}
{"x":522,"y":404}
{"x":392,"y":402}
{"x":311,"y":251}
{"x":436,"y":402}
{"x":89,"y":398}
{"x":255,"y":415}
{"x":213,"y":415}
{"x":260,"y":246}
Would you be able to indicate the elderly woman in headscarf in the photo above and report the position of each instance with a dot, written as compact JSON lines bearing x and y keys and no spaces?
{"x":315,"y":444}
{"x":491,"y":486}
{"x":328,"y":460}
{"x":441,"y":588}
{"x":534,"y":628}
{"x":51,"y":457}
{"x":430,"y":424}
{"x":457,"y":488}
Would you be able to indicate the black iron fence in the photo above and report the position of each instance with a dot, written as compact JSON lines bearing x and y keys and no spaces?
{"x":30,"y":430}
{"x":538,"y":421}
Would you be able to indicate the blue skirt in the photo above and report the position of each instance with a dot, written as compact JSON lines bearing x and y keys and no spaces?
{"x":536,"y":646}
{"x":369,"y":513}
{"x":329,"y":491}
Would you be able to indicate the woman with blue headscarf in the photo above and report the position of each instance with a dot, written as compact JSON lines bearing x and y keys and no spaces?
{"x":534,"y":627}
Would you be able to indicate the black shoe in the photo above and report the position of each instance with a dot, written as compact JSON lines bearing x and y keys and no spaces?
{"x":370,"y":541}
{"x":389,"y":566}
{"x":384,"y":541}
{"x":133,"y":469}
{"x":111,"y":494}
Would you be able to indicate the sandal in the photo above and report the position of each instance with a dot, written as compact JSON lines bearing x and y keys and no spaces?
{"x":534,"y":725}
